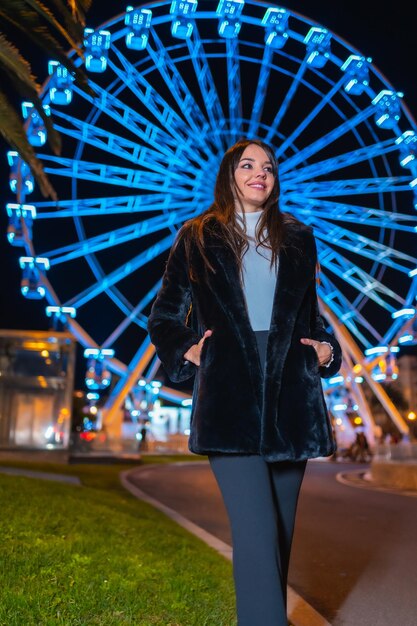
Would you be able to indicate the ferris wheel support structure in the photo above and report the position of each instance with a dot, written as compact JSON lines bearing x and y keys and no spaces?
{"x":352,"y":353}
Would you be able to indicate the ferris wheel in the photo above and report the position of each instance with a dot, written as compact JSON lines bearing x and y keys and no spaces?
{"x":176,"y":83}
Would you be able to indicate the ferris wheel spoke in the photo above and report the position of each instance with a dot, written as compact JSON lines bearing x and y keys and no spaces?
{"x":260,"y":92}
{"x":119,"y":146}
{"x":138,"y":318}
{"x":363,"y":246}
{"x":207,"y":85}
{"x":312,"y":209}
{"x":362,"y":281}
{"x":157,"y":106}
{"x":347,"y":314}
{"x":273,"y":128}
{"x":355,"y":186}
{"x":124,"y":115}
{"x":115,"y":205}
{"x":121,"y":272}
{"x":305,"y":153}
{"x":177,"y":86}
{"x":117,"y":237}
{"x":112,"y":175}
{"x":340,"y":161}
{"x":233,"y":86}
{"x":323,"y":102}
{"x":134,"y":316}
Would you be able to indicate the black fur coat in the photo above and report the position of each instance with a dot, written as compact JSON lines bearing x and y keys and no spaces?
{"x":237,"y":410}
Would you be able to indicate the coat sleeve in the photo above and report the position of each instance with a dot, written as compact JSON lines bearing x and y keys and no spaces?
{"x":319,"y":333}
{"x":167,"y":322}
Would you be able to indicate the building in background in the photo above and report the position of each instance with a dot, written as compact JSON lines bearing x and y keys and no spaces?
{"x":36,"y":387}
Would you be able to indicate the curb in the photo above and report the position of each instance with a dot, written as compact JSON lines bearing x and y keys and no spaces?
{"x":362,"y":479}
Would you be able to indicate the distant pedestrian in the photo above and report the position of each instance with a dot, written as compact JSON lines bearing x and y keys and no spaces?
{"x":359,"y":451}
{"x":143,"y":443}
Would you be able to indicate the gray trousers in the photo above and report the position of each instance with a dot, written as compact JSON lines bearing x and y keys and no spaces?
{"x":261,"y":502}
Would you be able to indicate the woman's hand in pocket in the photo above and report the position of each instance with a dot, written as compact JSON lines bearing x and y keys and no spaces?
{"x":193,"y":354}
{"x":322,"y":348}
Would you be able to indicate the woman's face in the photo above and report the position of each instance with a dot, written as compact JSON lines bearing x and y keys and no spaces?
{"x":254,"y":179}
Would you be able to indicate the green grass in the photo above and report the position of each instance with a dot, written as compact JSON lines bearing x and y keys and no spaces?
{"x":96,"y":555}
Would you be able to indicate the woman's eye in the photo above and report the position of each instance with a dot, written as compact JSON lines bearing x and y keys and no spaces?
{"x":268,"y":169}
{"x":247,"y":166}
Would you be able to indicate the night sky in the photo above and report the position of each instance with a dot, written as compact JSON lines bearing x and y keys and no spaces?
{"x":386,"y":34}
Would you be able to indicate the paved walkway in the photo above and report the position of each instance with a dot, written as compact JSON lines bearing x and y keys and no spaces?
{"x":62,"y":478}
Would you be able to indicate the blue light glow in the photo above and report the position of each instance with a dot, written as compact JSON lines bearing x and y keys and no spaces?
{"x":408,"y":338}
{"x":376,"y":350}
{"x":356,"y":69}
{"x":138,"y":22}
{"x":181,"y":27}
{"x":21,"y":217}
{"x":335,"y":380}
{"x":408,"y":148}
{"x":31,"y":284}
{"x":60,"y":83}
{"x":229,"y":12}
{"x":229,"y":29}
{"x":405,"y":313}
{"x":61,"y":312}
{"x":182,"y":23}
{"x":230,"y":8}
{"x":97,"y":44}
{"x":19,"y":171}
{"x":318,"y":41}
{"x":98,"y":375}
{"x":36,"y":131}
{"x":275,"y":22}
{"x":379,"y":376}
{"x":387,"y":109}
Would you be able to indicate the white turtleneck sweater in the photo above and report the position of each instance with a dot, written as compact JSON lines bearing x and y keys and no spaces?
{"x":259,"y":280}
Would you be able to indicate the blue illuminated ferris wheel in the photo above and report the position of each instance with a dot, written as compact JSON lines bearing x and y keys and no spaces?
{"x":176,"y":83}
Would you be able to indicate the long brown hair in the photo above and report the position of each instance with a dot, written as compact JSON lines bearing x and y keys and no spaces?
{"x":271,"y":224}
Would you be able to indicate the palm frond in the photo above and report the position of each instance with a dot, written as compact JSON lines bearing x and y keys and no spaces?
{"x":12,"y":130}
{"x":44,"y":12}
{"x":12,"y":61}
{"x":79,"y":8}
{"x":27,"y":16}
{"x":48,"y":24}
{"x":32,"y":27}
{"x":73,"y":17}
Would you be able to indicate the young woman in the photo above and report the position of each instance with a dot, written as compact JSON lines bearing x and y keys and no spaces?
{"x":238,"y":309}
